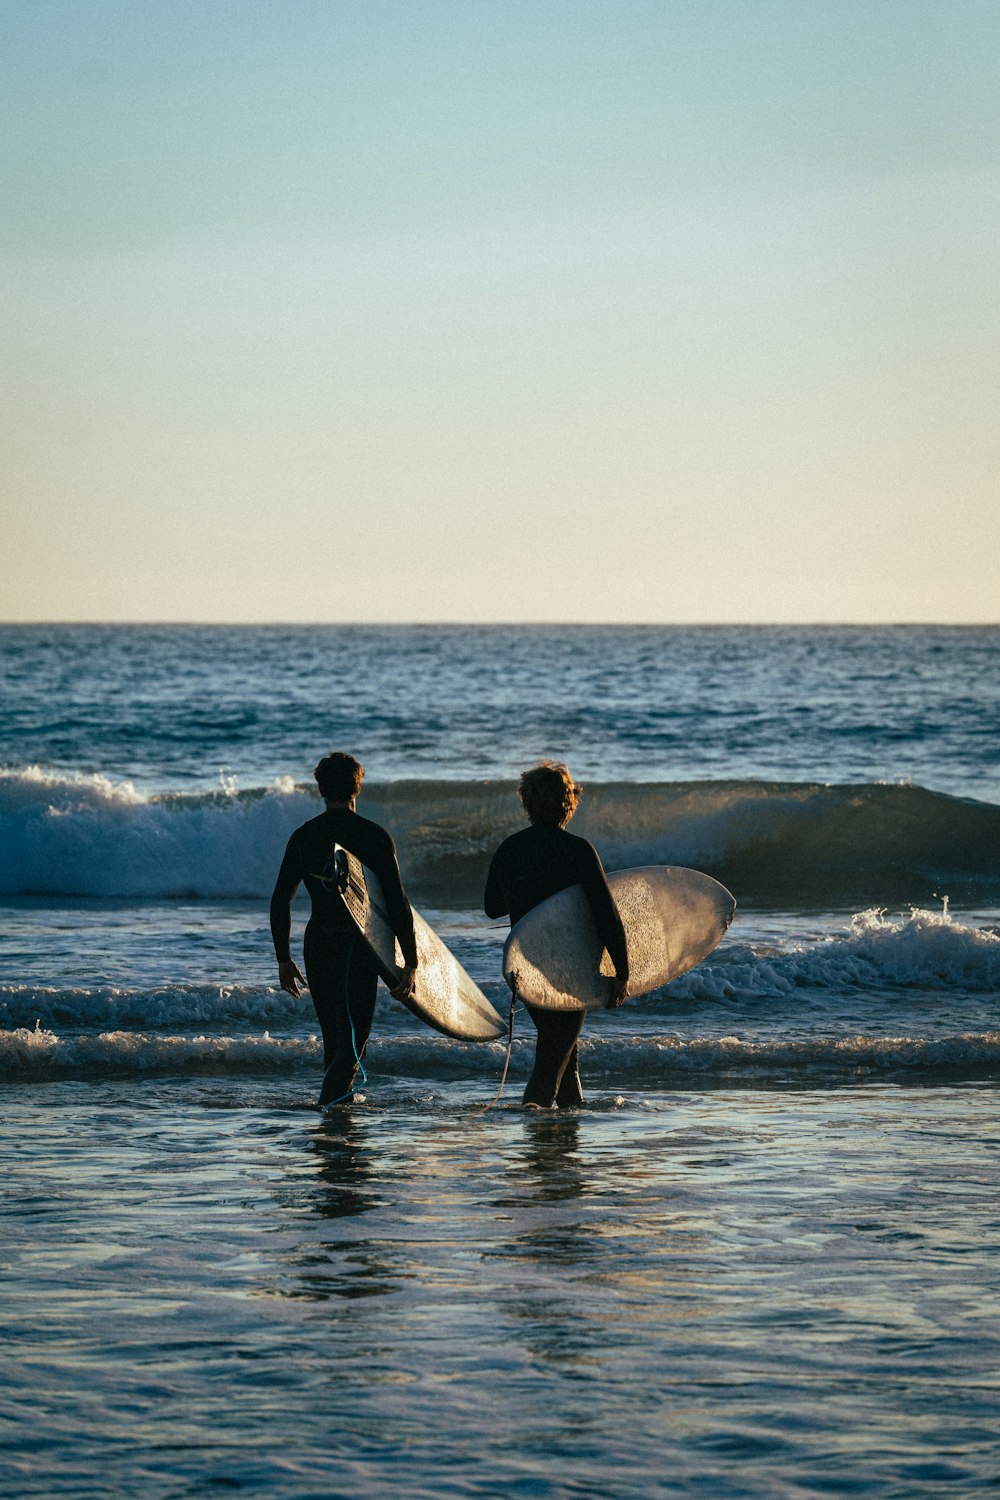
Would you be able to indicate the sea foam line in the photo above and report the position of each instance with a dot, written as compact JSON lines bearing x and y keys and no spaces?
{"x":926,"y":950}
{"x":877,"y":954}
{"x":115,"y":1008}
{"x":616,"y":1061}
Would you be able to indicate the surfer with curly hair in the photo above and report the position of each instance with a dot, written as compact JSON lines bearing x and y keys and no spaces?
{"x":530,"y":866}
{"x":341,"y":974}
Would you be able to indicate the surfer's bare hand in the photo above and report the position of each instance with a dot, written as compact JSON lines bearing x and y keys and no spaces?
{"x":290,"y":978}
{"x":404,"y":989}
{"x":617,"y":993}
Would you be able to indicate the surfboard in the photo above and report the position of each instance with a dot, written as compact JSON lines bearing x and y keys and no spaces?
{"x":673,"y":918}
{"x":443,"y":995}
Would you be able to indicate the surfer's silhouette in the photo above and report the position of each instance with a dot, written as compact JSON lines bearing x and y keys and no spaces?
{"x":340,"y":973}
{"x":529,"y":867}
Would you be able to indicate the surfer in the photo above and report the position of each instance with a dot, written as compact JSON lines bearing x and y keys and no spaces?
{"x":340,"y":974}
{"x":530,"y":866}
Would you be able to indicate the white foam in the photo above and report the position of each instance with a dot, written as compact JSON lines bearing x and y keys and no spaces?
{"x":89,"y":836}
{"x":180,"y":1005}
{"x":924,"y":950}
{"x":819,"y":1059}
{"x":38,"y":1053}
{"x":25,"y":1051}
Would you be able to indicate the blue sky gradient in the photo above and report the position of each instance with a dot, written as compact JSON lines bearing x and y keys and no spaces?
{"x":540,"y":311}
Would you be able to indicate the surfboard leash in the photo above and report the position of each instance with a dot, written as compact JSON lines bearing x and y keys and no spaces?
{"x":506,"y":1062}
{"x":354,"y":1040}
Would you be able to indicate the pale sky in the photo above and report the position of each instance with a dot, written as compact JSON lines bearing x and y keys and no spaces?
{"x":497,"y":310}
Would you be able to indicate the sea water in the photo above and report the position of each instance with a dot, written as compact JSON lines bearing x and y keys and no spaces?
{"x":763,"y":1259}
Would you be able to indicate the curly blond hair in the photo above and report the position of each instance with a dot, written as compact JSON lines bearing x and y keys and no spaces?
{"x":549,"y":794}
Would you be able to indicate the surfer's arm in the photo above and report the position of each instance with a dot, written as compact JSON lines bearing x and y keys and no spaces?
{"x":287,"y":883}
{"x":404,"y":989}
{"x":290,"y":977}
{"x":618,"y":993}
{"x":494,"y":900}
{"x":609,"y":923}
{"x":397,"y":906}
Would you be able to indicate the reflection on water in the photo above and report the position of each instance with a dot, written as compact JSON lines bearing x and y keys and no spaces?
{"x":339,"y":1187}
{"x":556,"y":1249}
{"x":552,"y":1154}
{"x":344,"y":1182}
{"x":383,"y":1206}
{"x":537,"y":1212}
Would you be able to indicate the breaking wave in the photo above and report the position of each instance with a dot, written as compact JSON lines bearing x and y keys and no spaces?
{"x":925,"y":951}
{"x":798,"y":843}
{"x":925,"y":982}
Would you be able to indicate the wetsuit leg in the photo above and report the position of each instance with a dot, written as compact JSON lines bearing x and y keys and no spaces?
{"x":570,"y":1091}
{"x":558,"y":1032}
{"x":343,"y":982}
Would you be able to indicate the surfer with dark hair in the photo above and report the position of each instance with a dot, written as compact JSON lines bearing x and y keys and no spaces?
{"x":341,"y":974}
{"x":530,"y":866}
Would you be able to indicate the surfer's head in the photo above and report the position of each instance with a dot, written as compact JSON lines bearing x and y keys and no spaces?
{"x":338,"y":777}
{"x":549,"y":794}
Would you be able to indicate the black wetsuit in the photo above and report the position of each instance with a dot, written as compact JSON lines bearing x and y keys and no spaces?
{"x":340,"y":972}
{"x":529,"y":867}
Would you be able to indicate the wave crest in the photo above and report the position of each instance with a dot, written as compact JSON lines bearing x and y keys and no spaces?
{"x":785,"y":842}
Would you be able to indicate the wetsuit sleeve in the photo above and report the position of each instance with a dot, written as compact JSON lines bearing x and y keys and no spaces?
{"x":287,"y":883}
{"x":396,"y":905}
{"x":495,"y":903}
{"x":602,"y":904}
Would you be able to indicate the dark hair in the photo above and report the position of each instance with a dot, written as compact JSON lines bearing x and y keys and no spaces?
{"x":549,"y":794}
{"x":338,"y":777}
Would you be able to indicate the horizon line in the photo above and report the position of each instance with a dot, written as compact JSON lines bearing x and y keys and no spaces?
{"x":777,"y":624}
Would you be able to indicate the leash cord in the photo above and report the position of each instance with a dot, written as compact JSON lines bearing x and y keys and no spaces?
{"x":354,"y":1041}
{"x":506,"y":1061}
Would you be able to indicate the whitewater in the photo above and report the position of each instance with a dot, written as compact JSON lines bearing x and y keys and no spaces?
{"x":761,"y":1260}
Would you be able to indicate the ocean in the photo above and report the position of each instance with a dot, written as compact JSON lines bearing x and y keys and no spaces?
{"x":762,"y":1261}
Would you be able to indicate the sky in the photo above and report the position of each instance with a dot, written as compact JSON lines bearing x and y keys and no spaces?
{"x":500,"y":310}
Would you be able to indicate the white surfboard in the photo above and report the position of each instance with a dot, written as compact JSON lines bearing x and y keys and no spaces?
{"x":673,"y":918}
{"x":444,"y":995}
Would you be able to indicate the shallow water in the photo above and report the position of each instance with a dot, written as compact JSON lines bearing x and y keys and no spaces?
{"x":740,"y":1293}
